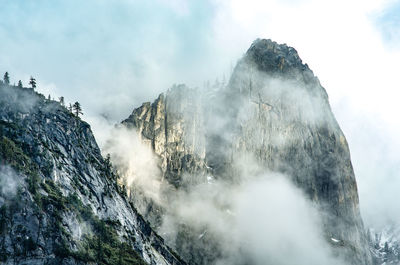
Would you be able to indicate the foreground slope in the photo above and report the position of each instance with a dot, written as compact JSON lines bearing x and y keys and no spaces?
{"x":59,"y":201}
{"x":273,"y":109}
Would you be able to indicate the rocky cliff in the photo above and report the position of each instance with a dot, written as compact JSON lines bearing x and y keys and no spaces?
{"x":173,"y":125}
{"x":59,"y":198}
{"x":273,"y":110}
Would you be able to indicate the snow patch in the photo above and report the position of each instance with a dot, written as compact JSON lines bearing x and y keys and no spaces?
{"x":335,"y":240}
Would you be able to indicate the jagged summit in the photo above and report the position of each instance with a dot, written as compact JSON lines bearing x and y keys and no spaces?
{"x":267,"y":57}
{"x":271,"y":56}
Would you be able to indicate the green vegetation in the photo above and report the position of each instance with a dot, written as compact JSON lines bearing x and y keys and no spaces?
{"x":12,"y":155}
{"x":104,"y":247}
{"x":101,"y":247}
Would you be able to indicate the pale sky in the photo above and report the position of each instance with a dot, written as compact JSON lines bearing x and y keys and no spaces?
{"x":113,"y":55}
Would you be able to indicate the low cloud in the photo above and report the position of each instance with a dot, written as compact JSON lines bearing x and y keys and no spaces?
{"x":9,"y":182}
{"x":135,"y":161}
{"x":265,"y":220}
{"x":262,"y":218}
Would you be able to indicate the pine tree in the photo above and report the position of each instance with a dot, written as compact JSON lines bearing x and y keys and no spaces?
{"x":6,"y":78}
{"x":49,"y":98}
{"x":77,"y":109}
{"x":19,"y":83}
{"x":32,"y":82}
{"x":62,"y":101}
{"x":70,"y":107}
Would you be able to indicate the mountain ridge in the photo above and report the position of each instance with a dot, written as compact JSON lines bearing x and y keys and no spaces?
{"x":65,"y":207}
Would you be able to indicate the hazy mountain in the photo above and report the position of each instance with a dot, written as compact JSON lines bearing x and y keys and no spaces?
{"x":271,"y":121}
{"x":252,"y":171}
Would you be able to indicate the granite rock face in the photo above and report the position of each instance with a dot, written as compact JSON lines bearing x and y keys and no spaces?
{"x":275,"y":110}
{"x":173,"y":125}
{"x":59,"y":198}
{"x":293,"y":131}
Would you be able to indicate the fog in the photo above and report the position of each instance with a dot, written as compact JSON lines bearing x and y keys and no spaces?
{"x":256,"y":222}
{"x":9,"y":183}
{"x":259,"y":221}
{"x":112,"y":56}
{"x":135,"y":161}
{"x":248,"y":215}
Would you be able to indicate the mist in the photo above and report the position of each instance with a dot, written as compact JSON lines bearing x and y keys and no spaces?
{"x":260,"y":220}
{"x":113,"y":65}
{"x":251,"y":216}
{"x":135,"y":161}
{"x":9,"y":183}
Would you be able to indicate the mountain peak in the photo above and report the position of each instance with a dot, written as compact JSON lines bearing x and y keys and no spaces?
{"x":273,"y":116}
{"x":270,"y":56}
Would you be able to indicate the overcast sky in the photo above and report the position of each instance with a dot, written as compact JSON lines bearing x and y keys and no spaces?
{"x":113,"y":55}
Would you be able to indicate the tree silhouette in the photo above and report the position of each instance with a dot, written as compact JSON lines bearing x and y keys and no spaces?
{"x":19,"y":83}
{"x":62,"y":101}
{"x":32,"y":82}
{"x":77,"y":109}
{"x":6,"y":78}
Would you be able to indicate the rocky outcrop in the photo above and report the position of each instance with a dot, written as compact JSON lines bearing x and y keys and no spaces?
{"x":275,"y":110}
{"x":59,"y":199}
{"x":173,"y":125}
{"x":292,"y":130}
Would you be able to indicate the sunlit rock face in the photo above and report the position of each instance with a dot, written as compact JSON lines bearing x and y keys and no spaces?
{"x":273,"y":112}
{"x":59,"y":198}
{"x":174,"y":127}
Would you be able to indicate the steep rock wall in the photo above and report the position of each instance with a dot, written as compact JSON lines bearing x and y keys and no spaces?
{"x":275,"y":110}
{"x":64,"y":206}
